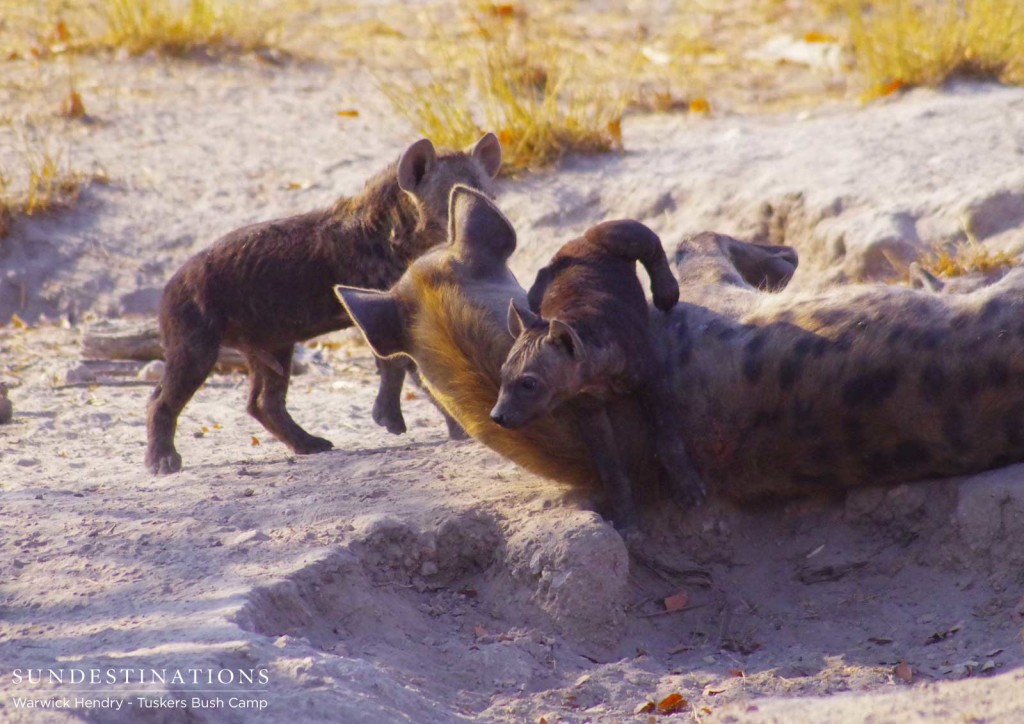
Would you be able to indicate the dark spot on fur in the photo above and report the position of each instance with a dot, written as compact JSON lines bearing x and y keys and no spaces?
{"x":813,"y":481}
{"x":992,"y":309}
{"x":753,"y":363}
{"x":997,"y":373}
{"x":803,"y":346}
{"x":960,"y":321}
{"x":872,"y":388}
{"x":727,"y":277}
{"x":879,"y":464}
{"x":930,"y":339}
{"x":970,"y":384}
{"x":897,"y":333}
{"x":767,"y":418}
{"x":844,"y":342}
{"x":932,"y":381}
{"x":911,"y":453}
{"x":824,"y":454}
{"x":789,"y":371}
{"x":1013,"y":425}
{"x":953,"y":430}
{"x":853,"y":430}
{"x":1002,"y":460}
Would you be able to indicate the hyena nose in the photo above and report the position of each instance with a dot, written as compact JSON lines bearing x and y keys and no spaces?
{"x":498,"y":417}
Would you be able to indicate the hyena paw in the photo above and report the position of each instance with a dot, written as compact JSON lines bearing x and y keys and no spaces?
{"x":163,"y":463}
{"x":391,"y":420}
{"x":455,"y":430}
{"x":312,"y":445}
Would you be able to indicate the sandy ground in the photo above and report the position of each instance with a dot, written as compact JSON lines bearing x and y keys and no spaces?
{"x":418,"y":579}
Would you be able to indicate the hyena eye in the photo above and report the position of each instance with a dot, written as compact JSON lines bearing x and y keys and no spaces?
{"x":528,"y":383}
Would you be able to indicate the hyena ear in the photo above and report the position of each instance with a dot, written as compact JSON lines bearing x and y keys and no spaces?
{"x":565,"y":336}
{"x":477,"y":228}
{"x":376,"y":315}
{"x":540,"y":285}
{"x":761,"y":266}
{"x":415,"y":164}
{"x":488,"y":152}
{"x":520,"y":318}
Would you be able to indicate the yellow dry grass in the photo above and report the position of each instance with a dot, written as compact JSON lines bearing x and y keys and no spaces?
{"x":898,"y":43}
{"x":171,"y":27}
{"x":504,"y":74}
{"x":178,"y":28}
{"x":965,"y":258}
{"x":44,"y":181}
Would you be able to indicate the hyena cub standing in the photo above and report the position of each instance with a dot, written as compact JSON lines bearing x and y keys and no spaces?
{"x":262,"y":288}
{"x":591,"y":342}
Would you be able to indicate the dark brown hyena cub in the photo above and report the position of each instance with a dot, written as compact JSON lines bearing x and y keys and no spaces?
{"x":265,"y":287}
{"x":592,"y":342}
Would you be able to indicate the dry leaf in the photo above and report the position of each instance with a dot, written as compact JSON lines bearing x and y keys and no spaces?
{"x":700,"y":105}
{"x":677,"y":601}
{"x":255,"y":441}
{"x":505,"y":136}
{"x":816,"y":37}
{"x":205,"y":429}
{"x":647,"y":706}
{"x":502,"y":10}
{"x":17,"y":322}
{"x":216,"y":426}
{"x":60,"y":31}
{"x":903,"y":672}
{"x":410,"y":395}
{"x":737,"y":673}
{"x":542,"y":720}
{"x":672,"y":703}
{"x":705,"y":710}
{"x":349,"y":113}
{"x":479,"y":631}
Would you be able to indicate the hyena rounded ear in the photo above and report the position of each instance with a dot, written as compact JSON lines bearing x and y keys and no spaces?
{"x":565,"y":336}
{"x":488,"y":152}
{"x":415,"y":164}
{"x":478,"y":229}
{"x":519,"y":319}
{"x":376,"y":315}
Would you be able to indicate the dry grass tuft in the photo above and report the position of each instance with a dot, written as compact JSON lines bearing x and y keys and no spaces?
{"x":497,"y":77}
{"x":45,"y":183}
{"x":899,"y":43}
{"x":966,"y":258}
{"x":176,"y":28}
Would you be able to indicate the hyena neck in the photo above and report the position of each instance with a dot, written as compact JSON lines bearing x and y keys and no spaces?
{"x":460,"y":349}
{"x":383,"y":212}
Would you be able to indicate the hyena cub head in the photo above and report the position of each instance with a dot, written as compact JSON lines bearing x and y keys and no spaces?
{"x":427,"y":179}
{"x":542,"y":370}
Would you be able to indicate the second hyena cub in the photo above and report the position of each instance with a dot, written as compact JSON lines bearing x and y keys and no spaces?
{"x":590,"y":343}
{"x":265,"y":287}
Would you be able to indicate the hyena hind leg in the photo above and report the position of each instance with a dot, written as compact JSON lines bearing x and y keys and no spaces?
{"x":189,"y":362}
{"x":267,"y":394}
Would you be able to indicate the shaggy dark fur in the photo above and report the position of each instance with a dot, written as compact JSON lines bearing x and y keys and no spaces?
{"x":262,"y":288}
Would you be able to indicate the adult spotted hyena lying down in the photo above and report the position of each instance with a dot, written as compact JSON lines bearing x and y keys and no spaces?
{"x":783,"y":394}
{"x":265,"y":287}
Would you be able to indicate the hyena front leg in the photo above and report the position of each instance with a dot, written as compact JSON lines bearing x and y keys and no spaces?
{"x":659,"y":402}
{"x":599,"y":437}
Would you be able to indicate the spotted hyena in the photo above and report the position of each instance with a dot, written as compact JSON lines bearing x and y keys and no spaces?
{"x":783,"y":394}
{"x":262,"y":288}
{"x":587,"y":341}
